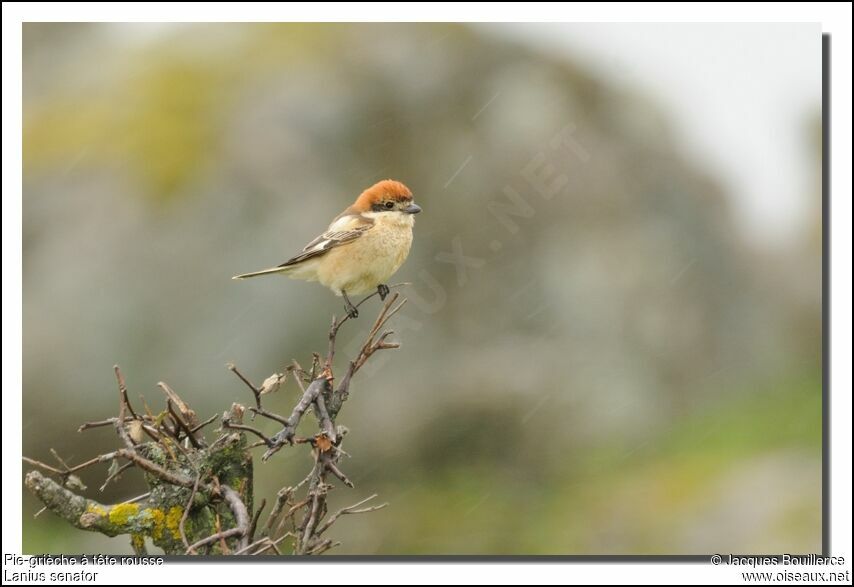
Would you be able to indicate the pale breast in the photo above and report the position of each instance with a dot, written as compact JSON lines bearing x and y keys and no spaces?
{"x":370,"y":260}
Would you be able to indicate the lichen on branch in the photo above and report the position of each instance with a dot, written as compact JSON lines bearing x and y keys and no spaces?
{"x":200,"y":495}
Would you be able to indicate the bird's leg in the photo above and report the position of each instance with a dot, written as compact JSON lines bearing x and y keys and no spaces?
{"x":383,"y":290}
{"x":352,"y":312}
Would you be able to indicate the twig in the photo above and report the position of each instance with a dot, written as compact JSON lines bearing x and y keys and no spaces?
{"x":333,"y":332}
{"x":186,"y":513}
{"x":42,"y":465}
{"x":252,"y":545}
{"x":183,"y":408}
{"x":315,"y":365}
{"x":299,"y":374}
{"x":267,"y":543}
{"x":115,"y":475}
{"x":97,"y":424}
{"x":171,"y":432}
{"x":205,"y":423}
{"x":370,"y":346}
{"x":266,"y":439}
{"x":336,"y":324}
{"x":153,"y":433}
{"x":323,"y":547}
{"x":270,"y":415}
{"x":312,"y":521}
{"x":154,"y":468}
{"x":68,"y":470}
{"x":308,"y":397}
{"x":282,"y":497}
{"x":179,"y":420}
{"x":274,"y":544}
{"x":286,"y":434}
{"x":326,"y":423}
{"x":353,"y":509}
{"x":138,"y":498}
{"x":123,"y":391}
{"x":99,"y":459}
{"x":254,"y":524}
{"x":297,"y":507}
{"x":255,"y":390}
{"x":223,"y":545}
{"x":111,"y":422}
{"x":291,"y":515}
{"x":59,"y":459}
{"x":222,"y":535}
{"x":333,"y":468}
{"x":119,"y":422}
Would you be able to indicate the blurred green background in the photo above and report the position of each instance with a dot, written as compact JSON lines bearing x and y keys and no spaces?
{"x":616,"y":368}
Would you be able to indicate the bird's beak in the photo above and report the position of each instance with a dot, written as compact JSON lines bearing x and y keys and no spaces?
{"x":412,"y":209}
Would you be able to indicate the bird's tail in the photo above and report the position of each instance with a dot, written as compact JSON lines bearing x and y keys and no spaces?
{"x":269,"y":271}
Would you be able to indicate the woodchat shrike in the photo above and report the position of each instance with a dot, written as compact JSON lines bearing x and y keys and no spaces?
{"x":363,"y":246}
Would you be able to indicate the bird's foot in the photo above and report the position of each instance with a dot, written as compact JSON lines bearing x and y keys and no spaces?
{"x":352,"y":311}
{"x":383,"y":290}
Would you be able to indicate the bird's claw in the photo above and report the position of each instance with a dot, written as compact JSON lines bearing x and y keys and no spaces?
{"x":352,"y":312}
{"x":383,"y":290}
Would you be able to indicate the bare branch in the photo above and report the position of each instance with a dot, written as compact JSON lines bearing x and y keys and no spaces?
{"x":336,"y":324}
{"x":222,"y":535}
{"x":267,"y":440}
{"x":185,"y":418}
{"x":274,"y":544}
{"x":326,"y":423}
{"x":241,"y":514}
{"x":282,"y":497}
{"x":170,"y":449}
{"x":205,"y":423}
{"x":186,"y":513}
{"x":119,"y":422}
{"x":98,"y":424}
{"x":115,"y":475}
{"x":286,"y":434}
{"x":42,"y":465}
{"x":86,"y":514}
{"x":255,"y":391}
{"x":353,"y":509}
{"x":311,"y":521}
{"x":323,"y":547}
{"x":187,"y":414}
{"x":155,"y":469}
{"x":270,"y":415}
{"x":254,"y":525}
{"x":333,"y":468}
{"x":123,"y":391}
{"x":299,"y":374}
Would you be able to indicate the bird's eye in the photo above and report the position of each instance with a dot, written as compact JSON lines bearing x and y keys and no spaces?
{"x":389,"y":205}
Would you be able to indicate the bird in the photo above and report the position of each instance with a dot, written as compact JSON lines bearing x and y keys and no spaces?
{"x":362,"y":247}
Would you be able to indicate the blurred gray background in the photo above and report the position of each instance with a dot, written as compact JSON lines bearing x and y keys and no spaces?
{"x":613,"y":338}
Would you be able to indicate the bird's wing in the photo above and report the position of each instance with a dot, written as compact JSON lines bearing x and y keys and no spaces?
{"x":346,"y":228}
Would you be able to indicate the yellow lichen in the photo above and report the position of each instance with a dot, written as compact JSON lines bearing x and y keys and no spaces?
{"x":158,"y":520}
{"x":173,"y":521}
{"x":138,"y":542}
{"x":94,"y":508}
{"x":121,"y":513}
